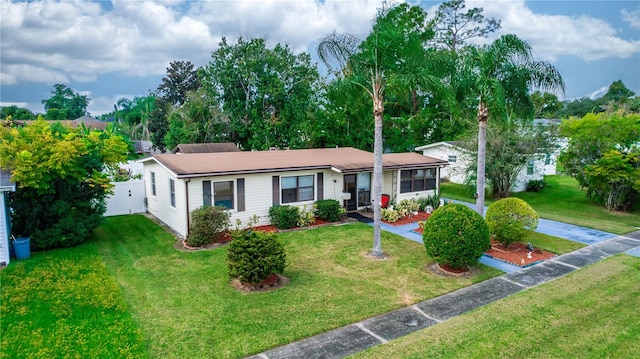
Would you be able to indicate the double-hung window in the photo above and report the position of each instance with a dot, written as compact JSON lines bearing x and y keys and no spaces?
{"x":153,"y":183}
{"x":297,"y":188}
{"x":172,"y":191}
{"x":223,"y":194}
{"x":423,"y":179}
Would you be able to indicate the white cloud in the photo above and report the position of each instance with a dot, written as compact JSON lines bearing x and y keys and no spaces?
{"x":552,"y":36}
{"x":632,"y":17}
{"x":53,"y":41}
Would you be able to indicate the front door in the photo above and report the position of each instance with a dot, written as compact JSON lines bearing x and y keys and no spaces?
{"x":350,"y":186}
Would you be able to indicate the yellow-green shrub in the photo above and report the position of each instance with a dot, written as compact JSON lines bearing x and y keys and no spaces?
{"x":511,"y":220}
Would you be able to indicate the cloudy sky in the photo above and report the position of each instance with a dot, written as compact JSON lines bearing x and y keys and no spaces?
{"x":113,"y":49}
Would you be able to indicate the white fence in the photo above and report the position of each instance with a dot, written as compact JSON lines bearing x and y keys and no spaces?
{"x":128,"y":198}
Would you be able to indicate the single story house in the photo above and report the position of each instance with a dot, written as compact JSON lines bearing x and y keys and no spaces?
{"x":248,"y":183}
{"x":459,"y":161}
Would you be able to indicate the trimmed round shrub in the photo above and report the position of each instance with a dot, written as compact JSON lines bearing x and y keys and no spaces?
{"x":254,"y":255}
{"x":456,"y":236}
{"x":511,"y":220}
{"x":284,"y":217}
{"x":207,"y":225}
{"x":328,"y":209}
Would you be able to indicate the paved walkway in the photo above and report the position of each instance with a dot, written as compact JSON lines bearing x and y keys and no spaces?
{"x":360,"y":336}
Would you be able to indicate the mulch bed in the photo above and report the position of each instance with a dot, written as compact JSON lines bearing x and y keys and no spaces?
{"x":421,"y":216}
{"x":518,"y":254}
{"x":270,"y":228}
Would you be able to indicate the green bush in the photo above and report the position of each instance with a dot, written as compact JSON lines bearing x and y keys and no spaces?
{"x":456,"y":236}
{"x":536,"y":185}
{"x":254,"y":255}
{"x":433,"y":201}
{"x":207,"y":225}
{"x":329,"y":209}
{"x":511,"y":220}
{"x":284,"y":217}
{"x":407,"y":206}
{"x":389,"y":215}
{"x":306,"y":218}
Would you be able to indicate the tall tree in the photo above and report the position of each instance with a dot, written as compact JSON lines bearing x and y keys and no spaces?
{"x":65,"y":104}
{"x":182,"y":77}
{"x":198,"y":120}
{"x":387,"y":58}
{"x":454,"y":27}
{"x":269,"y":94}
{"x":505,"y":75}
{"x":547,"y":105}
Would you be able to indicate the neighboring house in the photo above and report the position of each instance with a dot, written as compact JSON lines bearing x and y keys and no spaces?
{"x":459,"y":160}
{"x":249,"y":183}
{"x":206,"y":147}
{"x":5,"y":220}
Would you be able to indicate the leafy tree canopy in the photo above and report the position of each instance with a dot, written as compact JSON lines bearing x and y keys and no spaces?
{"x":269,"y":94}
{"x":604,"y":156}
{"x":16,"y":113}
{"x":61,"y":173}
{"x":65,"y":104}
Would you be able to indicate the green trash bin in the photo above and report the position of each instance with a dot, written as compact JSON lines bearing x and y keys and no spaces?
{"x":22,"y":247}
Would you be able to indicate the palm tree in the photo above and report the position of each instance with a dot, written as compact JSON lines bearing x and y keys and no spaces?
{"x":390,"y":56}
{"x":506,"y":74}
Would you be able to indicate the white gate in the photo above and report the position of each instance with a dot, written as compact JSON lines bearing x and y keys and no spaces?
{"x":128,"y":198}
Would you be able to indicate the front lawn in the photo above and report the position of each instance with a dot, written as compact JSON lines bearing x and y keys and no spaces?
{"x":591,"y":313}
{"x":185,"y":306}
{"x":65,"y":304}
{"x":562,"y":200}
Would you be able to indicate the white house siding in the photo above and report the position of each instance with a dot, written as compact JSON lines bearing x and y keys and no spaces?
{"x":160,"y":204}
{"x":4,"y":232}
{"x":455,"y":172}
{"x":259,"y":192}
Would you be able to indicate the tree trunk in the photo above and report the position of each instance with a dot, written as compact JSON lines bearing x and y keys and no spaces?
{"x":378,"y":109}
{"x":483,"y":117}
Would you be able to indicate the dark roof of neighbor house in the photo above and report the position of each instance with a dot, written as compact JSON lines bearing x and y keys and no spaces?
{"x":206,"y":147}
{"x":89,"y":122}
{"x":343,"y":160}
{"x":5,"y":181}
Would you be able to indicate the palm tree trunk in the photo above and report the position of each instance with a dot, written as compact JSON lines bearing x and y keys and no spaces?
{"x":483,"y":118}
{"x":378,"y":109}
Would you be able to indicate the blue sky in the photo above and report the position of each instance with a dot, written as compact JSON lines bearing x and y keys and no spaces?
{"x":113,"y":49}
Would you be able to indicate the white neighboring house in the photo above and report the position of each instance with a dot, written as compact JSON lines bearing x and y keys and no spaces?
{"x":5,"y":220}
{"x":248,"y":183}
{"x":459,"y":161}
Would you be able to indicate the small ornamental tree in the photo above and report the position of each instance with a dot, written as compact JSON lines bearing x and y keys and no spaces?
{"x":456,"y":236}
{"x":511,"y":220}
{"x":62,"y":179}
{"x":254,"y":255}
{"x":208,"y":225}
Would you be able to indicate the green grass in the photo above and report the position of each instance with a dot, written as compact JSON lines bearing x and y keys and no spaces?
{"x":65,"y":304}
{"x":185,"y":306}
{"x":591,"y":313}
{"x":562,"y":200}
{"x":553,"y":244}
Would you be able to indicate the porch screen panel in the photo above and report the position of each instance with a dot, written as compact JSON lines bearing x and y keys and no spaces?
{"x":364,"y":189}
{"x":240,"y":184}
{"x":206,"y":193}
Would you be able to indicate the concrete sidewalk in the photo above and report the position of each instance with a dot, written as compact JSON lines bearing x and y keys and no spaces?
{"x":360,"y":336}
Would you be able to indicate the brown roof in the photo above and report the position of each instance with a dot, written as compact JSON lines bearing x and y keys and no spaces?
{"x":343,"y":160}
{"x":206,"y":147}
